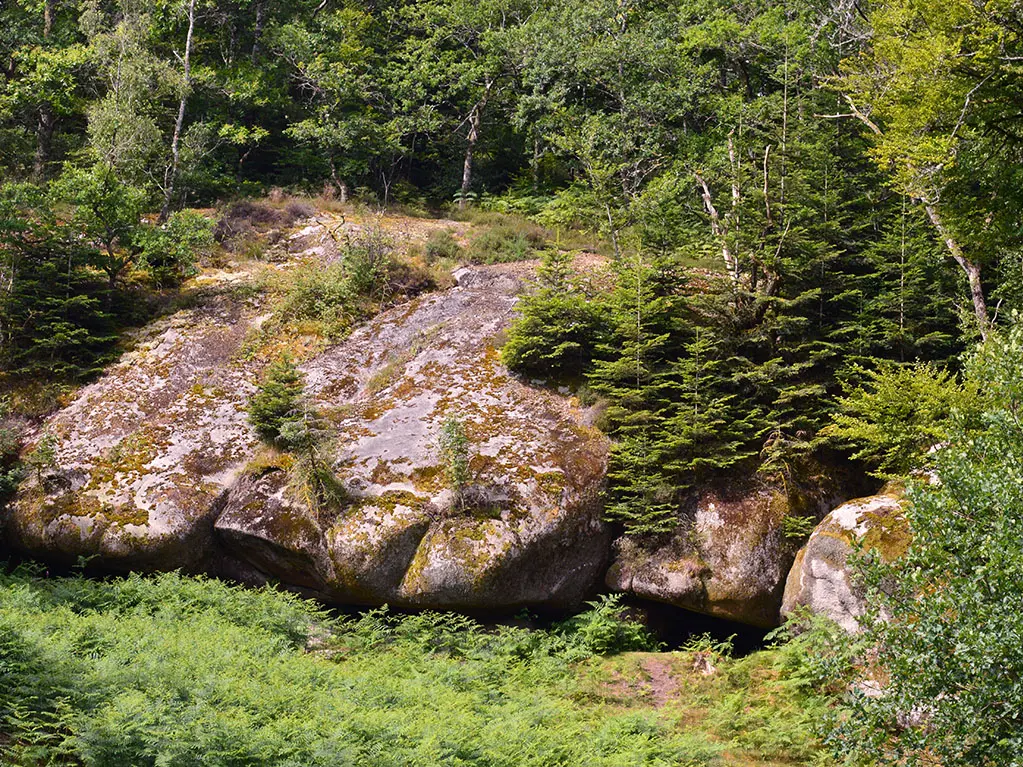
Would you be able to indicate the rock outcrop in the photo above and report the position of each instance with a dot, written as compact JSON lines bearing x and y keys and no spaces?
{"x":143,"y":458}
{"x":156,"y":466}
{"x":731,"y":559}
{"x":529,"y":532}
{"x":820,"y":578}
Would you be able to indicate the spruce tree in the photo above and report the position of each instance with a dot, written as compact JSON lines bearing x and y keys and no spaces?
{"x":54,"y":322}
{"x":275,"y":410}
{"x":557,"y":327}
{"x":644,"y":315}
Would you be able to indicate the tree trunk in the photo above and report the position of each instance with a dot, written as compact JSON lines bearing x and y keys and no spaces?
{"x":719,"y":229}
{"x":467,"y":166}
{"x":44,"y":137}
{"x":47,"y":119}
{"x":475,"y":119}
{"x":170,"y":176}
{"x":257,"y":32}
{"x":971,"y":268}
{"x":614,"y":232}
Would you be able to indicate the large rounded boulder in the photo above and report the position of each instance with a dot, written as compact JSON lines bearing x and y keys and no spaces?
{"x":135,"y":470}
{"x":731,"y":555}
{"x":821,"y":579}
{"x":526,"y":528}
{"x":155,"y":465}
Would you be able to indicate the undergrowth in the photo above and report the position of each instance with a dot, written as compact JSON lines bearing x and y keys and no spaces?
{"x":171,"y":670}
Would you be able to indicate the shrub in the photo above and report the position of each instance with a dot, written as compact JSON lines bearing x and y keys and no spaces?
{"x":454,"y":450}
{"x":171,"y":251}
{"x":942,"y":621}
{"x":368,"y":262}
{"x":604,"y":629}
{"x":894,"y":417}
{"x":506,"y":241}
{"x":241,"y":220}
{"x":317,"y":294}
{"x":557,"y":328}
{"x":275,"y":408}
{"x":442,"y":245}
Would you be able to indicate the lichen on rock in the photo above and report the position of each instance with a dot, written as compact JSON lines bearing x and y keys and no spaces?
{"x":729,"y":558}
{"x":157,"y":466}
{"x":821,"y":580}
{"x":531,"y":533}
{"x":144,"y":456}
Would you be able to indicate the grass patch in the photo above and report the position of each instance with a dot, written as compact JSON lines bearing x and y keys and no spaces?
{"x":502,"y":238}
{"x":321,"y":303}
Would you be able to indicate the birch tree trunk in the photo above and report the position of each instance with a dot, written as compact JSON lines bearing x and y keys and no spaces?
{"x":475,"y":119}
{"x":971,"y":268}
{"x":170,"y":176}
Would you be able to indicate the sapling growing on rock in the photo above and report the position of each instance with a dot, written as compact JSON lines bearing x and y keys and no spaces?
{"x":43,"y":456}
{"x":454,"y":450}
{"x":284,"y":419}
{"x":277,"y":403}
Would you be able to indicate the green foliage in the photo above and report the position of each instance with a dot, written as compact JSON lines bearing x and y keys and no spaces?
{"x":442,"y":244}
{"x":797,"y":528}
{"x":557,"y":327}
{"x":506,"y":241}
{"x":275,"y":410}
{"x":604,"y":629}
{"x":43,"y":456}
{"x":317,"y":295}
{"x":896,"y":415}
{"x":455,"y":454}
{"x":330,"y":299}
{"x":171,"y":251}
{"x":10,"y":444}
{"x":55,"y":321}
{"x":645,"y":325}
{"x":283,"y":419}
{"x":940,"y":619}
{"x":168,"y":669}
{"x":107,"y":212}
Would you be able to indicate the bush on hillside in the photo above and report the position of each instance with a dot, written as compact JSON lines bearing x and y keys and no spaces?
{"x":442,"y":245}
{"x":505,"y":241}
{"x":171,"y":252}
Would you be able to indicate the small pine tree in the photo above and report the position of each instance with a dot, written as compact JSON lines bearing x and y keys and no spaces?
{"x":275,"y":410}
{"x":43,"y":456}
{"x":641,"y":496}
{"x":54,"y":318}
{"x":705,"y":431}
{"x":557,"y":327}
{"x":454,"y":449}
